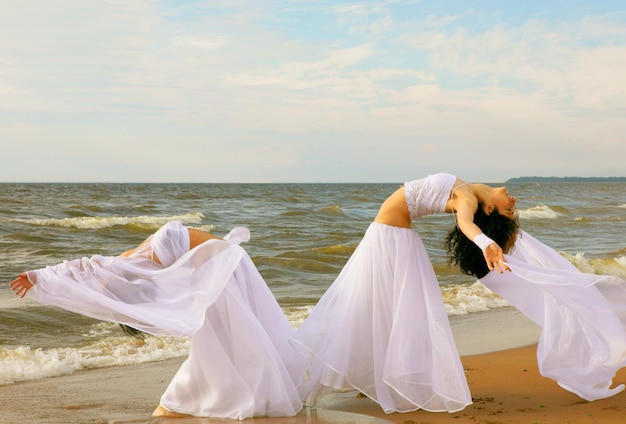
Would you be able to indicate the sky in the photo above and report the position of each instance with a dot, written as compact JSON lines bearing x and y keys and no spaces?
{"x":310,"y":91}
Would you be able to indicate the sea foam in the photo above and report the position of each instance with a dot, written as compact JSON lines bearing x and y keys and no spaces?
{"x":601,"y":266}
{"x":96,"y":222}
{"x":538,"y":212}
{"x":23,"y":363}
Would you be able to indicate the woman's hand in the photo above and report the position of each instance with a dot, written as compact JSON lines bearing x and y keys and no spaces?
{"x":21,"y":285}
{"x":495,"y":258}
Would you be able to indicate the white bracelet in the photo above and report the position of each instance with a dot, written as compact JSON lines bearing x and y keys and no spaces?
{"x":482,"y":241}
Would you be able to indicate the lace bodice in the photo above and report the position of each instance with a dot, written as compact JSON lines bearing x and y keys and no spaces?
{"x":428,"y":195}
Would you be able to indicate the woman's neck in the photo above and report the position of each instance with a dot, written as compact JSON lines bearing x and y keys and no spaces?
{"x":483,"y":192}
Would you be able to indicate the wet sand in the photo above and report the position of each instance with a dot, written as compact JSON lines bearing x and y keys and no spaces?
{"x":505,"y":384}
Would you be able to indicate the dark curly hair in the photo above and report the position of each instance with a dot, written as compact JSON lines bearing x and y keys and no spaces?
{"x":463,"y":253}
{"x":133,"y":332}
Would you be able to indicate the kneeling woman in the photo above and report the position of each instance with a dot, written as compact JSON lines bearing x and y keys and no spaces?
{"x":187,"y":282}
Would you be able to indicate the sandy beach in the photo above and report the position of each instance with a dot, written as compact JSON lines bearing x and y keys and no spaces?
{"x":505,"y":384}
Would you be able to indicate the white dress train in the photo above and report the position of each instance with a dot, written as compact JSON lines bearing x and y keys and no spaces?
{"x":582,"y":316}
{"x":240,"y":363}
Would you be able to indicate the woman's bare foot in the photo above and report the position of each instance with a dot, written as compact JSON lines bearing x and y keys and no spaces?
{"x":162,"y":412}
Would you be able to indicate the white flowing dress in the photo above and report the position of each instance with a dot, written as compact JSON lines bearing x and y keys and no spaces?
{"x":381,"y":327}
{"x":240,"y":363}
{"x":582,"y":316}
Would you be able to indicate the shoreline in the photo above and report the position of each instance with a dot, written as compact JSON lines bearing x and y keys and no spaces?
{"x":498,"y":355}
{"x":506,"y":388}
{"x":492,"y":331}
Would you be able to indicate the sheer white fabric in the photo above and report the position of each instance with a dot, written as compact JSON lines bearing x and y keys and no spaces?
{"x":382,"y":328}
{"x":171,"y":242}
{"x":582,"y":317}
{"x":240,"y":364}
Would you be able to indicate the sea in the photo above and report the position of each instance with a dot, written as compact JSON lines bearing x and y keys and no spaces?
{"x":302,"y":235}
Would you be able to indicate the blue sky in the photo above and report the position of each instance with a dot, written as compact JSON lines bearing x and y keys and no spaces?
{"x":310,"y":91}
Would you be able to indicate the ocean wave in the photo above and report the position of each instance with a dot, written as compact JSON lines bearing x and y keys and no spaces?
{"x":97,"y":222}
{"x":326,"y":210}
{"x":300,"y":212}
{"x":604,"y":219}
{"x":539,"y":212}
{"x":23,"y":363}
{"x":601,"y":266}
{"x":465,"y":299}
{"x":332,"y":210}
{"x":107,"y":348}
{"x":342,"y":250}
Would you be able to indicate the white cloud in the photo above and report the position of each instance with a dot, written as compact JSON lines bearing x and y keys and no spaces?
{"x":209,"y":43}
{"x":333,"y":90}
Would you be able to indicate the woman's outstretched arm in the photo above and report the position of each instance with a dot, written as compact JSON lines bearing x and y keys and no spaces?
{"x":493,"y":253}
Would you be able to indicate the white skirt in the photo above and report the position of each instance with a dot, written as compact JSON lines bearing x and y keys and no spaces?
{"x":381,"y":328}
{"x":582,"y":317}
{"x":240,"y":364}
